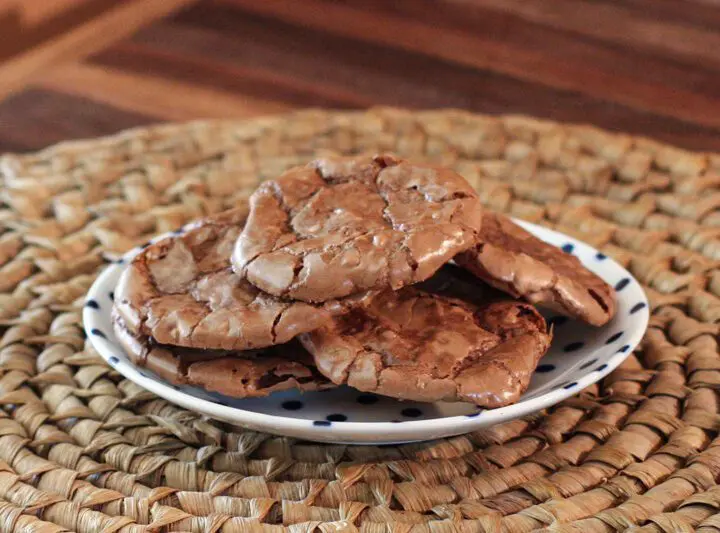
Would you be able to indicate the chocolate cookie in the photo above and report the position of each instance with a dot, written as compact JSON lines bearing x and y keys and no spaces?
{"x":342,"y":226}
{"x":515,"y":261}
{"x":183,"y":291}
{"x":422,"y":343}
{"x":240,"y":374}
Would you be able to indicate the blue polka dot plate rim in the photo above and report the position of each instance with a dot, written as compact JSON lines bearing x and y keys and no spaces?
{"x":580,"y":356}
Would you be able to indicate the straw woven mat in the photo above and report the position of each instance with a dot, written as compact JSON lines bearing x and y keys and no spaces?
{"x":83,"y":449}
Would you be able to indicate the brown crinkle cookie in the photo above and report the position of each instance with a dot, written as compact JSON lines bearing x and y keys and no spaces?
{"x":515,"y":261}
{"x":240,"y":374}
{"x":422,"y":343}
{"x":183,"y":291}
{"x":341,"y":226}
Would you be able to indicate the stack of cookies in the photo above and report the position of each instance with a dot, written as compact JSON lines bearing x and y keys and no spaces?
{"x":342,"y":274}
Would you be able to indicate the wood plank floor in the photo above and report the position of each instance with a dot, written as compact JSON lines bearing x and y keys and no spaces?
{"x":648,"y":67}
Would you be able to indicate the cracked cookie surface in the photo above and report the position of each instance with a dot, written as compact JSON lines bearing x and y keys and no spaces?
{"x":183,"y":291}
{"x":515,"y":261}
{"x":341,"y":226}
{"x":426,"y":343}
{"x":240,"y":374}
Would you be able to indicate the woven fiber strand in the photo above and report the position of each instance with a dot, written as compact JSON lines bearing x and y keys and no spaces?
{"x":82,"y":449}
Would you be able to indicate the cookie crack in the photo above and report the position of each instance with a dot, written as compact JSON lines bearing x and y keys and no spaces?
{"x":552,"y":287}
{"x":276,"y":321}
{"x":345,"y":374}
{"x":194,"y":327}
{"x":247,"y":264}
{"x":333,"y":250}
{"x":599,"y":299}
{"x":297,"y":269}
{"x":499,"y":363}
{"x":292,"y":213}
{"x":280,"y":199}
{"x":386,"y":216}
{"x":274,"y":187}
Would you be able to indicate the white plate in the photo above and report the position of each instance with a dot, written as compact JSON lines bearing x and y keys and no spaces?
{"x":579,"y":356}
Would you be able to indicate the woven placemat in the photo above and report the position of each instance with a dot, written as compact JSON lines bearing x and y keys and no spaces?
{"x":82,"y":449}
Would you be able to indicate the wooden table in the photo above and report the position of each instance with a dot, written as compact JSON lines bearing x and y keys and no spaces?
{"x":641,"y":66}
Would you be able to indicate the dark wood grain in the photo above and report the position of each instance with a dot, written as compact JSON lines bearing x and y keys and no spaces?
{"x":48,"y":117}
{"x":18,"y":36}
{"x":493,"y":46}
{"x":262,"y":56}
{"x":648,"y":67}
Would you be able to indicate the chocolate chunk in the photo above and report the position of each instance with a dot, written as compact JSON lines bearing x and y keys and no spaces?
{"x":423,"y":343}
{"x":183,"y":291}
{"x":240,"y":374}
{"x":342,"y":226}
{"x":515,"y":261}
